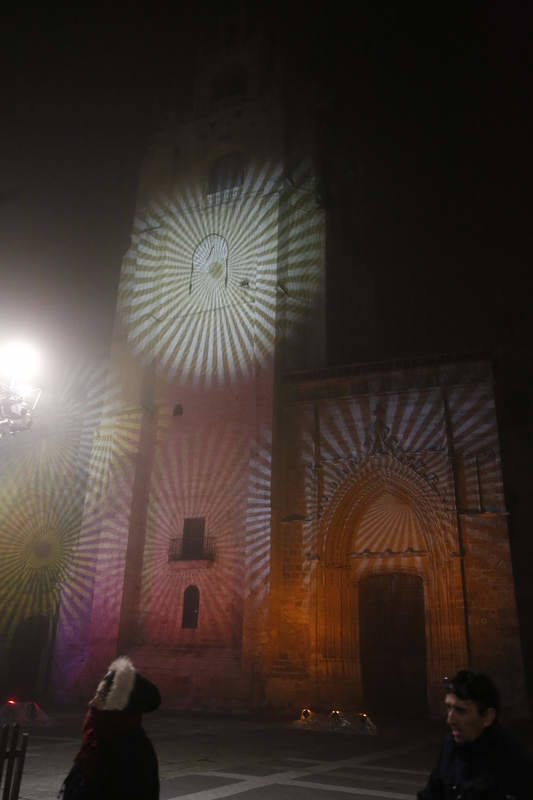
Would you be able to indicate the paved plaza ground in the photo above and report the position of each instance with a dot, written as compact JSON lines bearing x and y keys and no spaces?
{"x":206,"y":758}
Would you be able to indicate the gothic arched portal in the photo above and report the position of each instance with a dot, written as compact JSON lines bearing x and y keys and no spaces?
{"x":386,"y":528}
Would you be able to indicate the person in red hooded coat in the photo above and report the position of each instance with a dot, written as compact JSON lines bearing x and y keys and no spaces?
{"x":116,"y":759}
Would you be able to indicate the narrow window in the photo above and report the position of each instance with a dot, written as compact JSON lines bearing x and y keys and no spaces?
{"x":193,"y":538}
{"x":191,"y":605}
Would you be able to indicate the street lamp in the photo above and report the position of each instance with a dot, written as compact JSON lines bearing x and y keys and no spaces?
{"x":18,"y":394}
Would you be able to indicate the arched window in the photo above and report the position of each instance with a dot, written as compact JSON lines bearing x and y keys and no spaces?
{"x":191,"y":605}
{"x":210,"y":260}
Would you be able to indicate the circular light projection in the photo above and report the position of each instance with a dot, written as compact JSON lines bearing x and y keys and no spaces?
{"x":37,"y":540}
{"x":206,"y":282}
{"x":49,"y":524}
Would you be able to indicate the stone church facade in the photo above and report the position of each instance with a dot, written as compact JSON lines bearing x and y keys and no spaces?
{"x":392,"y":566}
{"x":254,"y":530}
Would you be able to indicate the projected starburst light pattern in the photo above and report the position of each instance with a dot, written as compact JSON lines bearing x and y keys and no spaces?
{"x":202,"y":282}
{"x":212,"y":486}
{"x":187,"y":485}
{"x":44,"y":555}
{"x":258,"y":515}
{"x":473,"y":416}
{"x":38,"y":538}
{"x":103,"y":541}
{"x":390,"y":522}
{"x":402,"y":440}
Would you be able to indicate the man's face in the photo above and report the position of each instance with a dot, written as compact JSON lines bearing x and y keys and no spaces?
{"x":465,"y":719}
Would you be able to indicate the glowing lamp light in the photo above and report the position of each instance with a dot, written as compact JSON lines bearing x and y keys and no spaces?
{"x":336,"y":718}
{"x":24,"y":390}
{"x":18,"y":395}
{"x":367,"y":724}
{"x":12,"y":702}
{"x":305,"y":713}
{"x":18,"y":363}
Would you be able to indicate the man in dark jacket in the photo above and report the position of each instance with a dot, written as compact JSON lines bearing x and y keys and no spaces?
{"x":479,"y":760}
{"x":116,"y":760}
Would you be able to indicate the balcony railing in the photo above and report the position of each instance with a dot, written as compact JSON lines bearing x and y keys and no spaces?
{"x":192,"y":551}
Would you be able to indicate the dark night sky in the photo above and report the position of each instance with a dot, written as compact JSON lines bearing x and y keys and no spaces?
{"x":436,"y":107}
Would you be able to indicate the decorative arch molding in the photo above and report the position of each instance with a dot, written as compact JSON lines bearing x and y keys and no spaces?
{"x":379,"y":473}
{"x":341,"y":570}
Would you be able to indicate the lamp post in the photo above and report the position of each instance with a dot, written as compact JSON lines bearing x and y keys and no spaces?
{"x":18,"y":394}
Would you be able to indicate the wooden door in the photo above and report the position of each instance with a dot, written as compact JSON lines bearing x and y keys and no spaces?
{"x":393,"y":644}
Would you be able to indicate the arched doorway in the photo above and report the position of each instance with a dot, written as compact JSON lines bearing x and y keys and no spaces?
{"x":387,"y":520}
{"x":393,"y":643}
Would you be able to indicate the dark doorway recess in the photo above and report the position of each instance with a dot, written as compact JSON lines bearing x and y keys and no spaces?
{"x":393,"y":644}
{"x":28,"y":659}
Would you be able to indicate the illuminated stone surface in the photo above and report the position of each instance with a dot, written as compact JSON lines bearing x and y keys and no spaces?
{"x":335,"y":504}
{"x":220,"y":291}
{"x":390,"y":473}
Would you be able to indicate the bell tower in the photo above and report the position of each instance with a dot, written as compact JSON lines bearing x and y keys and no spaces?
{"x":221,"y":292}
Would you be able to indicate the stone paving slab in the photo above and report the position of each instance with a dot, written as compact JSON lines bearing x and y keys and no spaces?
{"x":376,"y":780}
{"x":188,"y":784}
{"x":188,"y":773}
{"x":257,"y":769}
{"x":214,"y":758}
{"x":279,"y":791}
{"x":421,"y":759}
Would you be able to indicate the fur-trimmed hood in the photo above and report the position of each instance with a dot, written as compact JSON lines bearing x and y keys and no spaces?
{"x":128,"y":689}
